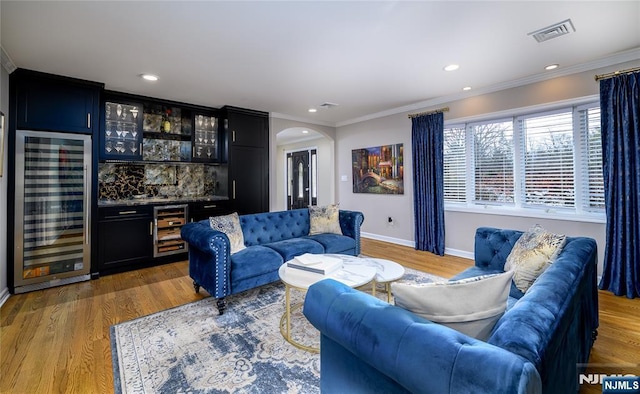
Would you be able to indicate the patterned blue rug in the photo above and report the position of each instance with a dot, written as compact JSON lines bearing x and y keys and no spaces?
{"x":191,"y":349}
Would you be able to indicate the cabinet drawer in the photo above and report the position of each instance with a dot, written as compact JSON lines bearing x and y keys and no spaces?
{"x":123,"y":212}
{"x":205,"y":209}
{"x":171,"y":221}
{"x":169,"y":234}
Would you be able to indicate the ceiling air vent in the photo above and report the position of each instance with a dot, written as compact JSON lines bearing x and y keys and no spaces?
{"x":328,"y":105}
{"x":553,"y":31}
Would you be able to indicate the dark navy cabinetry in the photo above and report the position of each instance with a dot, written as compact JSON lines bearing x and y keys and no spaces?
{"x":52,"y":103}
{"x":248,"y":149}
{"x":125,"y":237}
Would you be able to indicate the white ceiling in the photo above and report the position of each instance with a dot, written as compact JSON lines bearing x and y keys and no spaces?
{"x":285,"y":57}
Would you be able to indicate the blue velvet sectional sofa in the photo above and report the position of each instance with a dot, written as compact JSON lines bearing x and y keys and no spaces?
{"x":368,"y":346}
{"x":271,"y":238}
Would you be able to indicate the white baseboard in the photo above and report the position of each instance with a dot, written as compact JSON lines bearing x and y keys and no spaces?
{"x":392,"y":240}
{"x":453,"y":252}
{"x":4,"y":296}
{"x":459,"y":253}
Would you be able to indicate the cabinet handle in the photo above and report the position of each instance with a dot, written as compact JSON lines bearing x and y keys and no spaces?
{"x":150,"y":228}
{"x":234,"y":135}
{"x":126,"y":212}
{"x":234,"y":189}
{"x":87,"y":223}
{"x":88,"y":120}
{"x":140,"y":149}
{"x":210,"y":206}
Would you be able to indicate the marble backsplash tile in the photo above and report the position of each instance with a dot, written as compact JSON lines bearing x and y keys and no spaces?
{"x":122,"y":181}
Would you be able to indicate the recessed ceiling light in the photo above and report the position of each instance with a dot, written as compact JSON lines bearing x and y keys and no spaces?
{"x":551,"y":67}
{"x":312,"y":110}
{"x":451,"y":67}
{"x":149,"y":77}
{"x":466,"y":88}
{"x":305,"y":131}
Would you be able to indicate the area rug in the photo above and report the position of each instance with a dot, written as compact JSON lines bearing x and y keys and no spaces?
{"x":191,"y":349}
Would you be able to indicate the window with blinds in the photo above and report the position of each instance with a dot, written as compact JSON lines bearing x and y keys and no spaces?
{"x":591,"y":140}
{"x":455,"y":167}
{"x":545,"y":160}
{"x":493,"y":162}
{"x":547,"y":153}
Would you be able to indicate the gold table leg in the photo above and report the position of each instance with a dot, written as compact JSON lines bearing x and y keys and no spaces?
{"x":285,"y":322}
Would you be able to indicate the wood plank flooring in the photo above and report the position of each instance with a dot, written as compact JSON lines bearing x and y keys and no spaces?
{"x":57,"y":340}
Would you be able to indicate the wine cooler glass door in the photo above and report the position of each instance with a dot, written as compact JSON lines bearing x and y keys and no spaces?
{"x":53,"y":175}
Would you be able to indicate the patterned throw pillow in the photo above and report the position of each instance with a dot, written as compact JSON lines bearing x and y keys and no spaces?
{"x":471,"y":306}
{"x":230,"y":225}
{"x":324,"y":220}
{"x":532,"y":254}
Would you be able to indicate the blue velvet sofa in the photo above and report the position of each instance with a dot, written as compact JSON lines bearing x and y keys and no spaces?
{"x":368,"y":346}
{"x":271,"y":238}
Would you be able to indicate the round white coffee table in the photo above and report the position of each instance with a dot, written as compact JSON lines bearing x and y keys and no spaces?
{"x":387,"y":271}
{"x":351,"y":275}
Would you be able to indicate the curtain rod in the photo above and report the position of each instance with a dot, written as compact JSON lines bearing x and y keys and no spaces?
{"x":445,"y":109}
{"x":616,"y":73}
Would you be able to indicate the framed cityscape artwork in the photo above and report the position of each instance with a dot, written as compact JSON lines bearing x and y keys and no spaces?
{"x":378,"y":170}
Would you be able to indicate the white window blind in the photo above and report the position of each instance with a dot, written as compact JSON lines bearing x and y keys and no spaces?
{"x":493,"y":162}
{"x":591,"y":140}
{"x":543,"y":160}
{"x":454,"y":159}
{"x":547,"y":153}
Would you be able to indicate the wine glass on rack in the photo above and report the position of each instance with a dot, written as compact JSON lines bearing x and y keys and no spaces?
{"x":209,"y":152}
{"x":119,"y":110}
{"x":134,"y":113}
{"x":109,"y":146}
{"x":107,"y":110}
{"x":200,"y":120}
{"x":134,"y":147}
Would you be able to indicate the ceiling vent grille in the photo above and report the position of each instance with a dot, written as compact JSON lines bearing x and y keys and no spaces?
{"x":559,"y":29}
{"x":328,"y":105}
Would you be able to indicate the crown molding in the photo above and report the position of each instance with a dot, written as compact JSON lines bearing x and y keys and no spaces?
{"x":621,"y":57}
{"x":301,"y":119}
{"x":6,"y":61}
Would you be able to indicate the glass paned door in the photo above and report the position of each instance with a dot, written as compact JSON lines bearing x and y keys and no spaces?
{"x":52,"y":212}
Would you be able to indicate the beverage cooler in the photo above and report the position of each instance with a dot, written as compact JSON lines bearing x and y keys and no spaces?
{"x":52,"y":209}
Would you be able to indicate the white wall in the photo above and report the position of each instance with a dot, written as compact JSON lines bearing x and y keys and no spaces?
{"x":325,"y":151}
{"x":326,"y":161}
{"x":459,"y":226}
{"x":377,"y":208}
{"x":4,"y":107}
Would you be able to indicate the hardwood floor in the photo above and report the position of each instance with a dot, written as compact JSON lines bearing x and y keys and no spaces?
{"x":57,"y":340}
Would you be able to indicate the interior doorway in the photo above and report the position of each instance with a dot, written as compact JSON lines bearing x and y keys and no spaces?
{"x":302,"y":178}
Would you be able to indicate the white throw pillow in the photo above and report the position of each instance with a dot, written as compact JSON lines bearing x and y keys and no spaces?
{"x":230,"y":225}
{"x":324,"y":220}
{"x":471,"y":306}
{"x":532,"y":254}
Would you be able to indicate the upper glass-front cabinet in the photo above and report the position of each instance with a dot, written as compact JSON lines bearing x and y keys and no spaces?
{"x":205,"y":138}
{"x":158,"y":131}
{"x":121,"y":137}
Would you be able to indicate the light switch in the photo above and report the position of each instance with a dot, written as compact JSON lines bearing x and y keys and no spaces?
{"x":343,"y":178}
